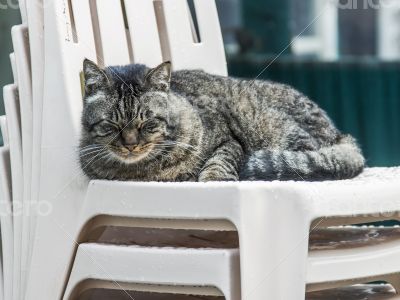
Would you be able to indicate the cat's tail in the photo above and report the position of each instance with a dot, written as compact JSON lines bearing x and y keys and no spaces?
{"x":342,"y":160}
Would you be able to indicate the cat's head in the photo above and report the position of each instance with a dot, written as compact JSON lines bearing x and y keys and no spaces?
{"x":127,"y":121}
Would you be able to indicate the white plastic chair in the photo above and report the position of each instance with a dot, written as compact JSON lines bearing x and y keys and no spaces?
{"x":17,"y":202}
{"x":24,"y":81}
{"x":214,"y":270}
{"x":21,"y":62}
{"x":337,"y":268}
{"x":6,"y":213}
{"x":36,"y":46}
{"x":259,"y":211}
{"x":12,"y":108}
{"x":21,"y":159}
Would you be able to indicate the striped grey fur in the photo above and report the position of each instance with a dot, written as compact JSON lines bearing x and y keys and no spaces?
{"x":153,"y":125}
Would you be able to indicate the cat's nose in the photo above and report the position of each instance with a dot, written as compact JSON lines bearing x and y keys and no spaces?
{"x":130,"y":139}
{"x":129,"y":147}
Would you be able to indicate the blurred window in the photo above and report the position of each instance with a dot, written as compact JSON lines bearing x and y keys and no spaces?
{"x":324,"y":29}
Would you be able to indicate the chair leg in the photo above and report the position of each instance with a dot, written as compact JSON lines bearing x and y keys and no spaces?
{"x":276,"y":267}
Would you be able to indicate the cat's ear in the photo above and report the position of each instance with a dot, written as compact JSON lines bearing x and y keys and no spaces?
{"x":95,"y":77}
{"x":159,"y":78}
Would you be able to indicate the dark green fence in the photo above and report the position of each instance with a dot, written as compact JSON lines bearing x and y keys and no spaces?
{"x":361,"y":95}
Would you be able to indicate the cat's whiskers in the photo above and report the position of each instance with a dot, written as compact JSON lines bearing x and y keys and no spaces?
{"x":100,"y":156}
{"x":91,"y":146}
{"x":91,"y":149}
{"x":94,"y":152}
{"x":85,"y":149}
{"x":102,"y":152}
{"x":191,"y":149}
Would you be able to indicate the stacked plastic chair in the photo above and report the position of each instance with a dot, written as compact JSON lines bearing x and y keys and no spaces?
{"x":49,"y":251}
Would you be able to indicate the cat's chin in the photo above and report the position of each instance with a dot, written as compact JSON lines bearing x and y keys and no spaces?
{"x":130,"y":158}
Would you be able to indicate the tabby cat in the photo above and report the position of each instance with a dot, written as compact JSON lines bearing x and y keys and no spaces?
{"x":146,"y":124}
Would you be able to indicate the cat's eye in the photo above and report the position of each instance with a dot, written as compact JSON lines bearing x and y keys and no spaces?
{"x":104,"y":128}
{"x":149,"y":126}
{"x":108,"y":129}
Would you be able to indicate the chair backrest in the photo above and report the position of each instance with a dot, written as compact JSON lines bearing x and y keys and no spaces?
{"x":110,"y":33}
{"x":148,"y":32}
{"x":179,"y":39}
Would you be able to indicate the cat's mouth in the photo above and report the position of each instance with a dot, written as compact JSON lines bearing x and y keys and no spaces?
{"x":133,"y":154}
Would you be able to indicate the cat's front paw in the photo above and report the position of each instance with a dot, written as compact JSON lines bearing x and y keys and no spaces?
{"x":216,"y":176}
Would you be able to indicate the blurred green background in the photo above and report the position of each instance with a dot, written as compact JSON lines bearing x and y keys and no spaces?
{"x":8,"y":18}
{"x":337,"y":60}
